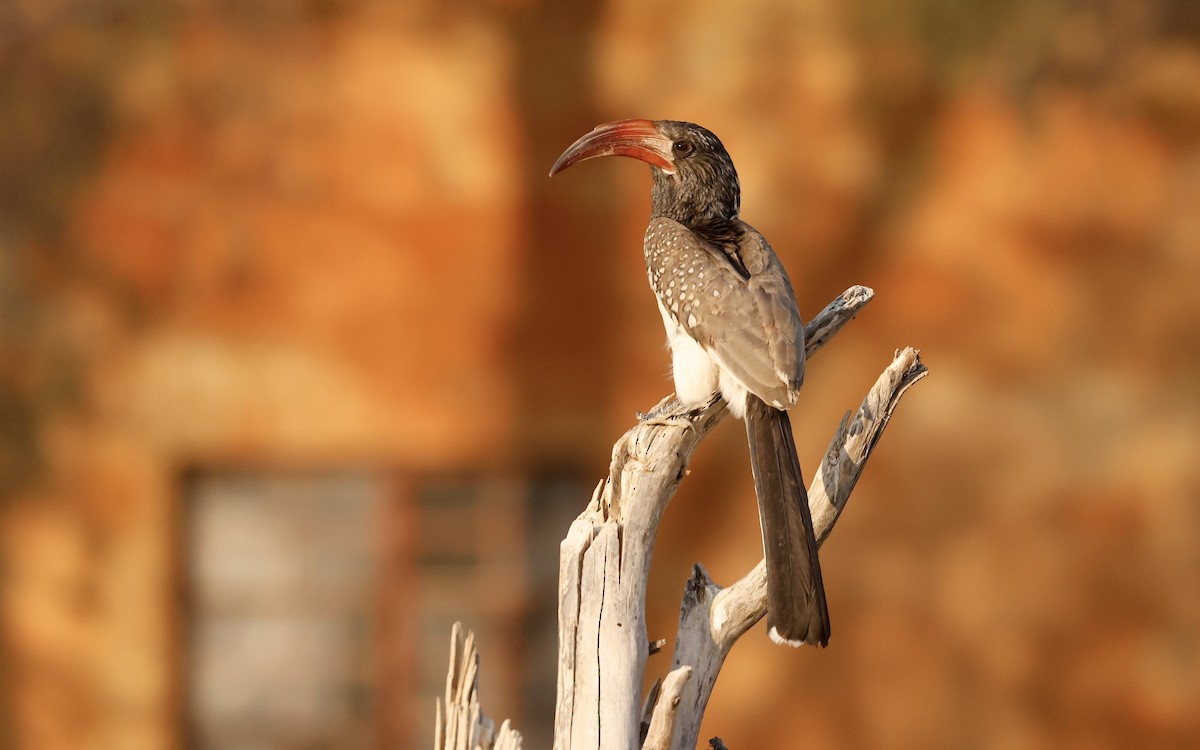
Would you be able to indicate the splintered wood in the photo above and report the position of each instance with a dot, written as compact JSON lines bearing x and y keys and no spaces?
{"x":461,"y":723}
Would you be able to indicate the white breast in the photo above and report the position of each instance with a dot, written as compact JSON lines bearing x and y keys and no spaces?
{"x":697,"y":373}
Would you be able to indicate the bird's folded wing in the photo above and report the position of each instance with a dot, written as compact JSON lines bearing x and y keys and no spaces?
{"x":750,"y":325}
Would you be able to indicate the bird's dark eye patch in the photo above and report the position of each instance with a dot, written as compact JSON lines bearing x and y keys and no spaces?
{"x":682,"y":148}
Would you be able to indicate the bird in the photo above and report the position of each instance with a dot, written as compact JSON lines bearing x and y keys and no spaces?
{"x":733,"y":327}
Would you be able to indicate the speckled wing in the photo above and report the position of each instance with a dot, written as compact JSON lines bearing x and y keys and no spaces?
{"x":751,"y":326}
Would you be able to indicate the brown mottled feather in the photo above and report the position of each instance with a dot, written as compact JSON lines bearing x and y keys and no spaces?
{"x":751,"y":325}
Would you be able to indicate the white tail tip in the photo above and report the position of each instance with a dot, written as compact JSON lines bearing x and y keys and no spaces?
{"x":775,"y":636}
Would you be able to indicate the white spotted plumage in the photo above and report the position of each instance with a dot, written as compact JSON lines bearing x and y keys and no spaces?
{"x":700,"y":293}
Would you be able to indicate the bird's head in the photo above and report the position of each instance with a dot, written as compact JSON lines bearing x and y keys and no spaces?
{"x":695,"y":182}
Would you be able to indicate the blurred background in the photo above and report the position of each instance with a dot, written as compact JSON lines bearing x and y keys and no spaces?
{"x":302,"y":357}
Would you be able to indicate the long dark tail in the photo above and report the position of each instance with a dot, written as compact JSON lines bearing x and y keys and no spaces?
{"x":796,"y":610}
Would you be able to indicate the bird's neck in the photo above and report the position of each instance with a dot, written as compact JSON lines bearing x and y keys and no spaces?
{"x":710,"y":213}
{"x":707,"y":209}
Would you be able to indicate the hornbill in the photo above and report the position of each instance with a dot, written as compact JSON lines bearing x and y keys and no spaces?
{"x":733,"y":326}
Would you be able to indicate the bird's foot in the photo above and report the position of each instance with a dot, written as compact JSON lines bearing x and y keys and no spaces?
{"x":674,"y":413}
{"x":667,"y":420}
{"x":666,"y":412}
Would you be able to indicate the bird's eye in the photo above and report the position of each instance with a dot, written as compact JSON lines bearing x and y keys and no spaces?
{"x":683,"y":148}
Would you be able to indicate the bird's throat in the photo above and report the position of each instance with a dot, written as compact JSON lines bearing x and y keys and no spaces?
{"x":693,"y":203}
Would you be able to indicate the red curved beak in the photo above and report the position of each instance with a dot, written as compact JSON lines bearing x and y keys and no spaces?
{"x":639,"y":139}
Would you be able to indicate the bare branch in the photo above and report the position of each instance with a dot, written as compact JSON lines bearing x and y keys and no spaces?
{"x":712,"y":619}
{"x":662,"y":725}
{"x":603,"y":566}
{"x":461,"y":724}
{"x":605,"y":559}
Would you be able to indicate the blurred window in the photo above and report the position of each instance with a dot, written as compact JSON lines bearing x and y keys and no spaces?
{"x":319,"y":604}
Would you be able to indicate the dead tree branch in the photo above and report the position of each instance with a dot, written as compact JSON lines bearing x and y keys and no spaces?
{"x":461,"y":723}
{"x":711,"y":619}
{"x":604,"y":562}
{"x":605,"y":558}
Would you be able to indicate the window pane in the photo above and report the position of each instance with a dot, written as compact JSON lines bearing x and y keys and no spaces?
{"x":282,"y":575}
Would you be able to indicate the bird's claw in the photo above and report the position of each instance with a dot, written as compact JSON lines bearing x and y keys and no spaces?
{"x":669,"y":414}
{"x":666,"y":420}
